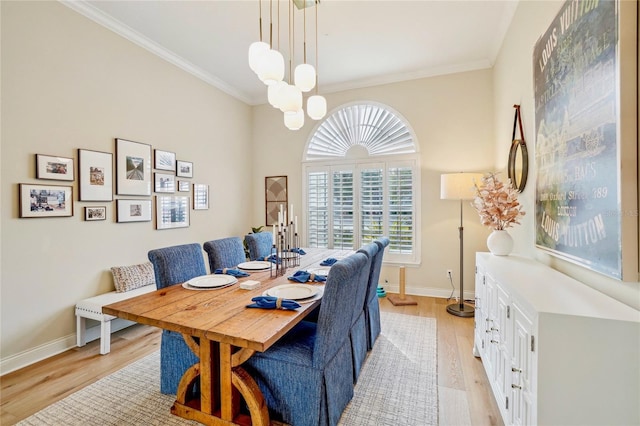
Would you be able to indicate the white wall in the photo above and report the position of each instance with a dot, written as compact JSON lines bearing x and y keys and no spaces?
{"x":513,"y":84}
{"x":68,"y":83}
{"x":452,"y":117}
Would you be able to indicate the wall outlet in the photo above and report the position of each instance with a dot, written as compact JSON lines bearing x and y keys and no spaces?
{"x":449,"y":273}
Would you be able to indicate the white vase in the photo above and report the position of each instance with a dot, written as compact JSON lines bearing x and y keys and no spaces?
{"x":500,"y":243}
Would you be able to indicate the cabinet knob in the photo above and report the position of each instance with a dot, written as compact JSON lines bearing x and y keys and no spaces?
{"x":515,"y":386}
{"x":516,"y":370}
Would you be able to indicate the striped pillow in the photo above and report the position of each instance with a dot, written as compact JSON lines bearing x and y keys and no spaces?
{"x":126,"y":278}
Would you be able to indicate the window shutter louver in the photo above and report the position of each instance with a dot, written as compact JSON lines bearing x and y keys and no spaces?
{"x":401,"y":223}
{"x":318,"y":210}
{"x":342,"y":210}
{"x":371,"y":205}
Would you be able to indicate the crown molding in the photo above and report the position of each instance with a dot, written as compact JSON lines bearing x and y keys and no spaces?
{"x":400,"y":77}
{"x":107,"y":21}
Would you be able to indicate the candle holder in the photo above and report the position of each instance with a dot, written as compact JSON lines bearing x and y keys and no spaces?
{"x":284,"y":251}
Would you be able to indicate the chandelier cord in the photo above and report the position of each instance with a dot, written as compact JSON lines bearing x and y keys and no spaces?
{"x":290,"y":45}
{"x":260,"y":17}
{"x":304,"y":35}
{"x":317,"y":67}
{"x":271,"y":23}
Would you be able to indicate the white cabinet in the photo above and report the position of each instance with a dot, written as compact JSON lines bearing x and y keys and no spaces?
{"x":555,"y":350}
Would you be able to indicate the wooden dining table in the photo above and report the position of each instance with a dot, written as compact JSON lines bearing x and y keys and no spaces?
{"x":219,"y":328}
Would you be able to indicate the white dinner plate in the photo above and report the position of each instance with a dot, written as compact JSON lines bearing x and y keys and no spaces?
{"x":212,"y":281}
{"x":322,"y":271}
{"x":293,"y":291}
{"x":318,"y":295}
{"x":255,"y":265}
{"x":188,"y":287}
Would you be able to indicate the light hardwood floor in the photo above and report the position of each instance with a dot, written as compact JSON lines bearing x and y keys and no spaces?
{"x":465,"y":396}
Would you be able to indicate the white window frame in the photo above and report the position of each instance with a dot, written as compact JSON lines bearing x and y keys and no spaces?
{"x":408,"y":160}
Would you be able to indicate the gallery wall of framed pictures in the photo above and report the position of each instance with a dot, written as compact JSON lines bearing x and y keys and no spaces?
{"x":137,"y":176}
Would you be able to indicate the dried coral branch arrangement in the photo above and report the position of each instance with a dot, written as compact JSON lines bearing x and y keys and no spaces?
{"x":497,"y":203}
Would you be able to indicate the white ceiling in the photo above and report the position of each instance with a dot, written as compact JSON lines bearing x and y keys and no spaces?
{"x":361,"y":42}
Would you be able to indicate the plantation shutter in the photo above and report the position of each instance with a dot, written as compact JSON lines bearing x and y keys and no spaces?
{"x":342,"y":209}
{"x":318,"y":209}
{"x":401,"y":207}
{"x":371,"y":204}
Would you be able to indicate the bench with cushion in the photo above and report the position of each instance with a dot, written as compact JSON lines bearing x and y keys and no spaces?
{"x":129,"y":281}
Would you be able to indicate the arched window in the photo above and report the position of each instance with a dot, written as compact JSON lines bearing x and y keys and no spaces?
{"x":362,"y":176}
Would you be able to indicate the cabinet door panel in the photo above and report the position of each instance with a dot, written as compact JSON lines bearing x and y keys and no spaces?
{"x":521,"y":368}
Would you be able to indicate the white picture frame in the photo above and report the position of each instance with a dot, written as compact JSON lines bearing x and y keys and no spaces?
{"x":54,"y":168}
{"x":172,"y":212}
{"x":133,"y":168}
{"x":95,"y":175}
{"x":165,"y":182}
{"x":133,"y":210}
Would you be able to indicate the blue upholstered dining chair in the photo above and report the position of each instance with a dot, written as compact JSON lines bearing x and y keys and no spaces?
{"x":259,"y":245}
{"x":372,"y":306}
{"x":359,"y":328}
{"x":306,"y":376}
{"x":175,"y":265}
{"x":225,"y":253}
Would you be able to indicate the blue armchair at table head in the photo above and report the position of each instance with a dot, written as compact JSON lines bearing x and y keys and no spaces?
{"x":372,"y":305}
{"x":306,"y":377}
{"x":175,"y":265}
{"x":225,"y":253}
{"x":259,"y":245}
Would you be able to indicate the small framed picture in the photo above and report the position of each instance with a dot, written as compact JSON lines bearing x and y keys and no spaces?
{"x":184,"y":169}
{"x":183,"y":186}
{"x":172,"y":212}
{"x":96,"y":175}
{"x":133,"y":211}
{"x":54,"y":168}
{"x":95,"y":213}
{"x":165,"y":182}
{"x":45,"y":200}
{"x":165,"y":160}
{"x":200,"y":196}
{"x":133,"y":168}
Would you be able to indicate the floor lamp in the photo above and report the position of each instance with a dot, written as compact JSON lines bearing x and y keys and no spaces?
{"x":459,"y":186}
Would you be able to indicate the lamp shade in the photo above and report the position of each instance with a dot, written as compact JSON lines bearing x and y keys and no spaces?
{"x":271,"y":67}
{"x":294,"y":120}
{"x":305,"y":77}
{"x":458,"y":186}
{"x":316,"y":107}
{"x":256,"y":53}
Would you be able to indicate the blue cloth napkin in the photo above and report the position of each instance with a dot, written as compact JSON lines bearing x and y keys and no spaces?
{"x":328,"y":262}
{"x":234,"y":272}
{"x":298,"y":250}
{"x":271,"y":258}
{"x":271,"y":302}
{"x":304,"y":276}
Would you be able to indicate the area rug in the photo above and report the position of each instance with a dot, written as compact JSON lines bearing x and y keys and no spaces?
{"x":397,"y":386}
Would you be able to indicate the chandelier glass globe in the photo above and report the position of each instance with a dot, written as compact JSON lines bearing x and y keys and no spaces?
{"x":316,"y":107}
{"x":271,"y":67}
{"x":294,"y":120}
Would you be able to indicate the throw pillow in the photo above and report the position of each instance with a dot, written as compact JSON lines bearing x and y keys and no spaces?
{"x":126,"y":278}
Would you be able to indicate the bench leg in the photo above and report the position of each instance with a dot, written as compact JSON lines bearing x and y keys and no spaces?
{"x":105,"y":337}
{"x":80,"y":331}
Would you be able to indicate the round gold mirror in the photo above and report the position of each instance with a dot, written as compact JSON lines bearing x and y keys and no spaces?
{"x":518,"y":167}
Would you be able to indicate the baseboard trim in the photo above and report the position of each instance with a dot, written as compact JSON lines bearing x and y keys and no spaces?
{"x":47,"y":350}
{"x":428,"y":291}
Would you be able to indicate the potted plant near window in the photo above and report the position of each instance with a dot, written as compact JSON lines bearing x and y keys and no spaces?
{"x":498,"y":207}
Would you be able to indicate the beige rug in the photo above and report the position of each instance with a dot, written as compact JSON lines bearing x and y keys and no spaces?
{"x":397,"y":386}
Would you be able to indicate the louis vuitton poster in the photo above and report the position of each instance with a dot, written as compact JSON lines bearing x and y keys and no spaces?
{"x":577,"y":146}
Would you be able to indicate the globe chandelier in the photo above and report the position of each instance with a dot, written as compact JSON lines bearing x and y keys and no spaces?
{"x":269,"y":65}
